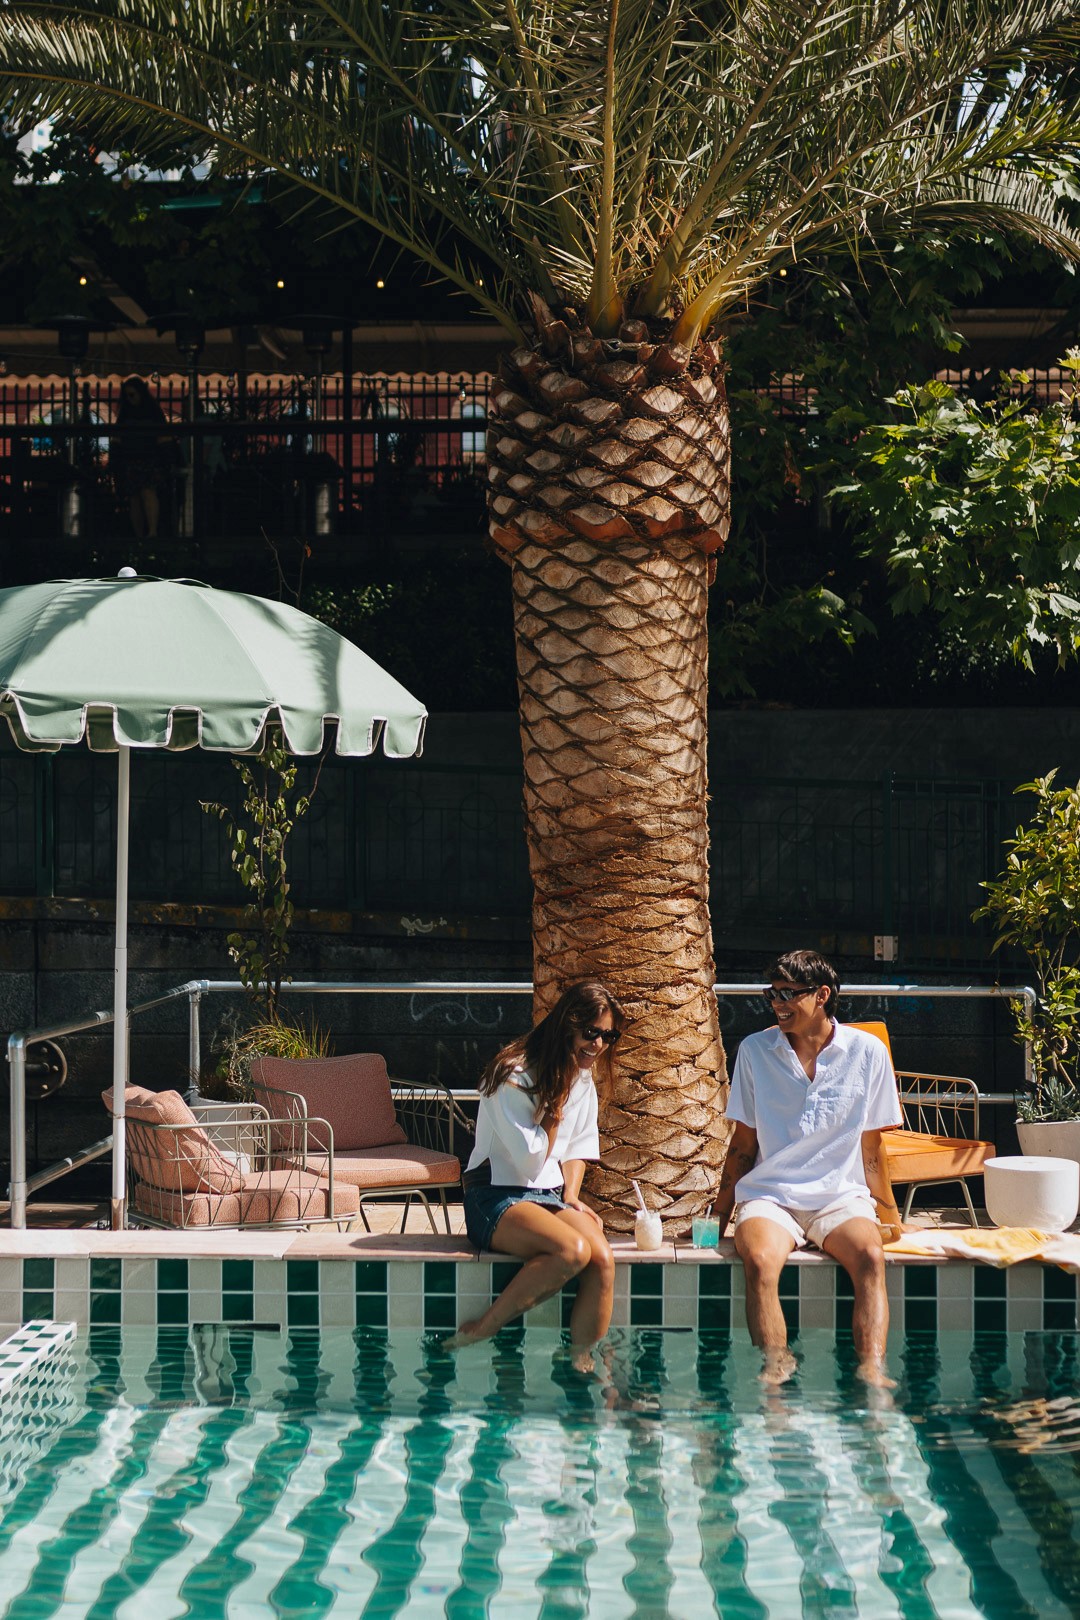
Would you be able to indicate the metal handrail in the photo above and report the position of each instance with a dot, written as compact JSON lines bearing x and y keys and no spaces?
{"x":195,"y":989}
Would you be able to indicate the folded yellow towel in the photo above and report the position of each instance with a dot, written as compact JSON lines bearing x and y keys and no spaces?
{"x":997,"y":1245}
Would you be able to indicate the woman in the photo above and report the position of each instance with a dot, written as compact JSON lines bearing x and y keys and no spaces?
{"x":535,"y":1129}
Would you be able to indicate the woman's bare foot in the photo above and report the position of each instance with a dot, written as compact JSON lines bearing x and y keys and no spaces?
{"x":468,"y":1333}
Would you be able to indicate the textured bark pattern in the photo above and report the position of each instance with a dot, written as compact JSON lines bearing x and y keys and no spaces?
{"x":608,"y":441}
{"x":610,"y":608}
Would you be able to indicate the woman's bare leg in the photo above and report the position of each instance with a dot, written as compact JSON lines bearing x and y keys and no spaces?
{"x":553,"y":1249}
{"x":591,"y":1315}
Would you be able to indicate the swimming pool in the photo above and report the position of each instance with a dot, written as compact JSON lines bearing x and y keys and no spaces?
{"x":210,"y":1472}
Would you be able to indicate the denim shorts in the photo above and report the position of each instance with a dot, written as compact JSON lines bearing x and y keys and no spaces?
{"x":486,"y":1205}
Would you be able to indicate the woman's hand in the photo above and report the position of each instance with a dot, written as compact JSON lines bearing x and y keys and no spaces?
{"x":583,"y":1209}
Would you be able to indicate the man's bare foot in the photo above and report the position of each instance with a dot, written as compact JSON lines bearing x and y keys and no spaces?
{"x":874,"y":1374}
{"x":581,"y":1358}
{"x":780,"y":1365}
{"x":468,"y":1333}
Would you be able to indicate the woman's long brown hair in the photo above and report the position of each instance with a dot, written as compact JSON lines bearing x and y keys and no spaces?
{"x":546,"y":1053}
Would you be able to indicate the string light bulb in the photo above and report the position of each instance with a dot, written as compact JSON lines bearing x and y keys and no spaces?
{"x":279,"y":285}
{"x":380,"y":284}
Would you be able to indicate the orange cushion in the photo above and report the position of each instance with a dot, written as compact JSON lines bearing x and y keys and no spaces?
{"x":185,"y":1160}
{"x":351,"y":1092}
{"x":917,"y":1156}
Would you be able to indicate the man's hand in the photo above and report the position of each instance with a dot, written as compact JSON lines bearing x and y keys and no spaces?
{"x":741,"y":1157}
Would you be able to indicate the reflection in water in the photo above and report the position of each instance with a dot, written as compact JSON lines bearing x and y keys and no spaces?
{"x":228,"y":1473}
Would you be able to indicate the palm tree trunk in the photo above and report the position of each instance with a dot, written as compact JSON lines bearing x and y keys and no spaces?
{"x":610,"y":582}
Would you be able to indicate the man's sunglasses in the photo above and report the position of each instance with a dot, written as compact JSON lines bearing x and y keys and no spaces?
{"x":589,"y":1032}
{"x":769,"y":995}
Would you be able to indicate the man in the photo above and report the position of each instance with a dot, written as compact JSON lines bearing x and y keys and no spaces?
{"x":810,"y":1100}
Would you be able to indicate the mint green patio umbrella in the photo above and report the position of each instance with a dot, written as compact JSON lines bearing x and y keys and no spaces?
{"x":133,"y":662}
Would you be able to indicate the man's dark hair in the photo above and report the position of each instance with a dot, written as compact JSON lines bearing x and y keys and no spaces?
{"x":807,"y":967}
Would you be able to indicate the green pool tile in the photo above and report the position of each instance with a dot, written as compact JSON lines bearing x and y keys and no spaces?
{"x":440,"y":1310}
{"x":788,"y":1285}
{"x":920,"y":1282}
{"x":988,"y":1282}
{"x":105,"y":1274}
{"x":714,"y":1282}
{"x":1059,"y":1299}
{"x":172,"y":1274}
{"x":566,"y":1300}
{"x":36,"y":1303}
{"x":440,"y":1277}
{"x":303,"y":1309}
{"x":646,"y":1310}
{"x":238,"y":1276}
{"x":990,"y":1315}
{"x":371,"y":1276}
{"x":920,"y":1315}
{"x":371,"y":1311}
{"x":646,"y":1282}
{"x":238,"y":1307}
{"x":302,"y":1277}
{"x":172,"y":1309}
{"x":845,"y":1310}
{"x":38,"y":1274}
{"x":790,"y":1309}
{"x":845,"y":1288}
{"x":714,"y":1312}
{"x":104,"y":1308}
{"x":503,"y":1272}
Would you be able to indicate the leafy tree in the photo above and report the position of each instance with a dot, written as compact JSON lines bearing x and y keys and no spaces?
{"x":1034,"y":905}
{"x":612,"y":183}
{"x":974,"y":510}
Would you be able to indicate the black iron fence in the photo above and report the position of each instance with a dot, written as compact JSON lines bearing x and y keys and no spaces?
{"x":892,"y":859}
{"x":281,"y":456}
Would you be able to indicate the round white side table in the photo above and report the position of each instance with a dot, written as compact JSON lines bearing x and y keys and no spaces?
{"x":1036,"y":1192}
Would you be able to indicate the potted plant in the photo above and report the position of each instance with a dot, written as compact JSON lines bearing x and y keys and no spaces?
{"x":1035,"y":905}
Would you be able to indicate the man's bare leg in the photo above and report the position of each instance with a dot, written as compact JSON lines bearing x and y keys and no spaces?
{"x":763,"y":1247}
{"x":857,"y":1246}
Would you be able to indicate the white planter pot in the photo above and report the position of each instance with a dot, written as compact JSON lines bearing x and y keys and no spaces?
{"x":1043,"y":1193}
{"x":1050,"y":1138}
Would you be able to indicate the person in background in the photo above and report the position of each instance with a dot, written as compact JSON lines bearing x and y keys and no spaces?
{"x":535,"y":1130}
{"x":141,"y":457}
{"x":810,"y":1100}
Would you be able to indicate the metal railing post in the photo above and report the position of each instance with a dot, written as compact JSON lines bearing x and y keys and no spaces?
{"x":17,"y":1077}
{"x":194,"y":1038}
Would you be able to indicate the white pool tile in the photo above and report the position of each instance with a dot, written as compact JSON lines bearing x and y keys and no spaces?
{"x":1024,"y":1315}
{"x":138,"y":1309}
{"x":955,"y":1313}
{"x":338,"y":1310}
{"x":72,"y":1275}
{"x":816,"y":1311}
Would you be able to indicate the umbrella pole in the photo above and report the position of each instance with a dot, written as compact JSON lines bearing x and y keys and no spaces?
{"x":120,"y":990}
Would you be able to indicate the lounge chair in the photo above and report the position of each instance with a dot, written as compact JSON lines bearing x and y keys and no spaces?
{"x":940,"y":1138}
{"x":392,"y":1139}
{"x":179,"y":1177}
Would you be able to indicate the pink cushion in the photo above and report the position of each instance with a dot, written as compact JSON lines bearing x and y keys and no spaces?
{"x":352,"y":1093}
{"x":271,"y":1197}
{"x":184,"y":1160}
{"x":391,"y":1166}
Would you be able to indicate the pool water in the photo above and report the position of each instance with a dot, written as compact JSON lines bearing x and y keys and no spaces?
{"x":211,"y":1472}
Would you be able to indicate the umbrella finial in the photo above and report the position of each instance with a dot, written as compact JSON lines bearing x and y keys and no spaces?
{"x":127,"y":573}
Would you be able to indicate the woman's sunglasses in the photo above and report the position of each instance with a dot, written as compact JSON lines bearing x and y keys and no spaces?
{"x":589,"y":1032}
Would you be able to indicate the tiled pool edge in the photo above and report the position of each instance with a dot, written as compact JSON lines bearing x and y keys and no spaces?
{"x":435,"y":1284}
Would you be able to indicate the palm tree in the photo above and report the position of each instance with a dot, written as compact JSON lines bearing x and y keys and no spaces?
{"x":611,"y":182}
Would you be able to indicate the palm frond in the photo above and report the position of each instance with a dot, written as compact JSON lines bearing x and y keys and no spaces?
{"x":658,"y":157}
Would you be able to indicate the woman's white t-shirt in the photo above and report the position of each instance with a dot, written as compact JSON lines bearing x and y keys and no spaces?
{"x":507,"y":1133}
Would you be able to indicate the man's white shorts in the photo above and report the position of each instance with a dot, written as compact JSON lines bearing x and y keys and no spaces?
{"x":808,"y":1225}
